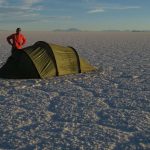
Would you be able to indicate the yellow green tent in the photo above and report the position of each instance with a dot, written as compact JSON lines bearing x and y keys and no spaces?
{"x":43,"y":60}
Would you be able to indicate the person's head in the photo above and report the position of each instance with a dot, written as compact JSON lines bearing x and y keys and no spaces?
{"x":18,"y":30}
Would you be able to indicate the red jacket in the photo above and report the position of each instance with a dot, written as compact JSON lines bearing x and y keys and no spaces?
{"x":16,"y":40}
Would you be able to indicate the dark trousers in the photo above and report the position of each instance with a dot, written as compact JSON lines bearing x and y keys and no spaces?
{"x":13,"y":49}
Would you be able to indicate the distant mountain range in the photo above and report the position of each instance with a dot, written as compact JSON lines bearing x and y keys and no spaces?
{"x":78,"y":30}
{"x":68,"y":30}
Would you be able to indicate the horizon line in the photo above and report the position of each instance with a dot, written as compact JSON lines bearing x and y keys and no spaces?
{"x":79,"y":30}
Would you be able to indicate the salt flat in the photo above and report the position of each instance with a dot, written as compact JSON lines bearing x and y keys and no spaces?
{"x":98,"y":110}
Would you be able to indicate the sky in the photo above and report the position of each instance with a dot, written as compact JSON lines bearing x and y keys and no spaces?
{"x":93,"y":15}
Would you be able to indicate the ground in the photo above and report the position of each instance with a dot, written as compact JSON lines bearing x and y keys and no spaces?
{"x":100,"y":110}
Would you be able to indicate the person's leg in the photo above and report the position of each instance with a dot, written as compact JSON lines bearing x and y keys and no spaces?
{"x":13,"y":50}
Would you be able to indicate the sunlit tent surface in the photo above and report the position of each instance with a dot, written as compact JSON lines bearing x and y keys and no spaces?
{"x":43,"y":60}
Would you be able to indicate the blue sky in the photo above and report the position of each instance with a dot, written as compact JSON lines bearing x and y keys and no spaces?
{"x":92,"y":15}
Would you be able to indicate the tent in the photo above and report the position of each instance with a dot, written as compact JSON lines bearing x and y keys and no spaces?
{"x":43,"y":60}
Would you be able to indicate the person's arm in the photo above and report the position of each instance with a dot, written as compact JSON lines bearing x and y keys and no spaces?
{"x":9,"y":38}
{"x":23,"y":40}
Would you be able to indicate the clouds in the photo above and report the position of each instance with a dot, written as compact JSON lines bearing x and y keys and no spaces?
{"x":16,"y":13}
{"x":30,"y":3}
{"x":63,"y":12}
{"x":25,"y":11}
{"x":22,"y":6}
{"x":2,"y":1}
{"x":39,"y":7}
{"x":109,"y":8}
{"x":96,"y":10}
